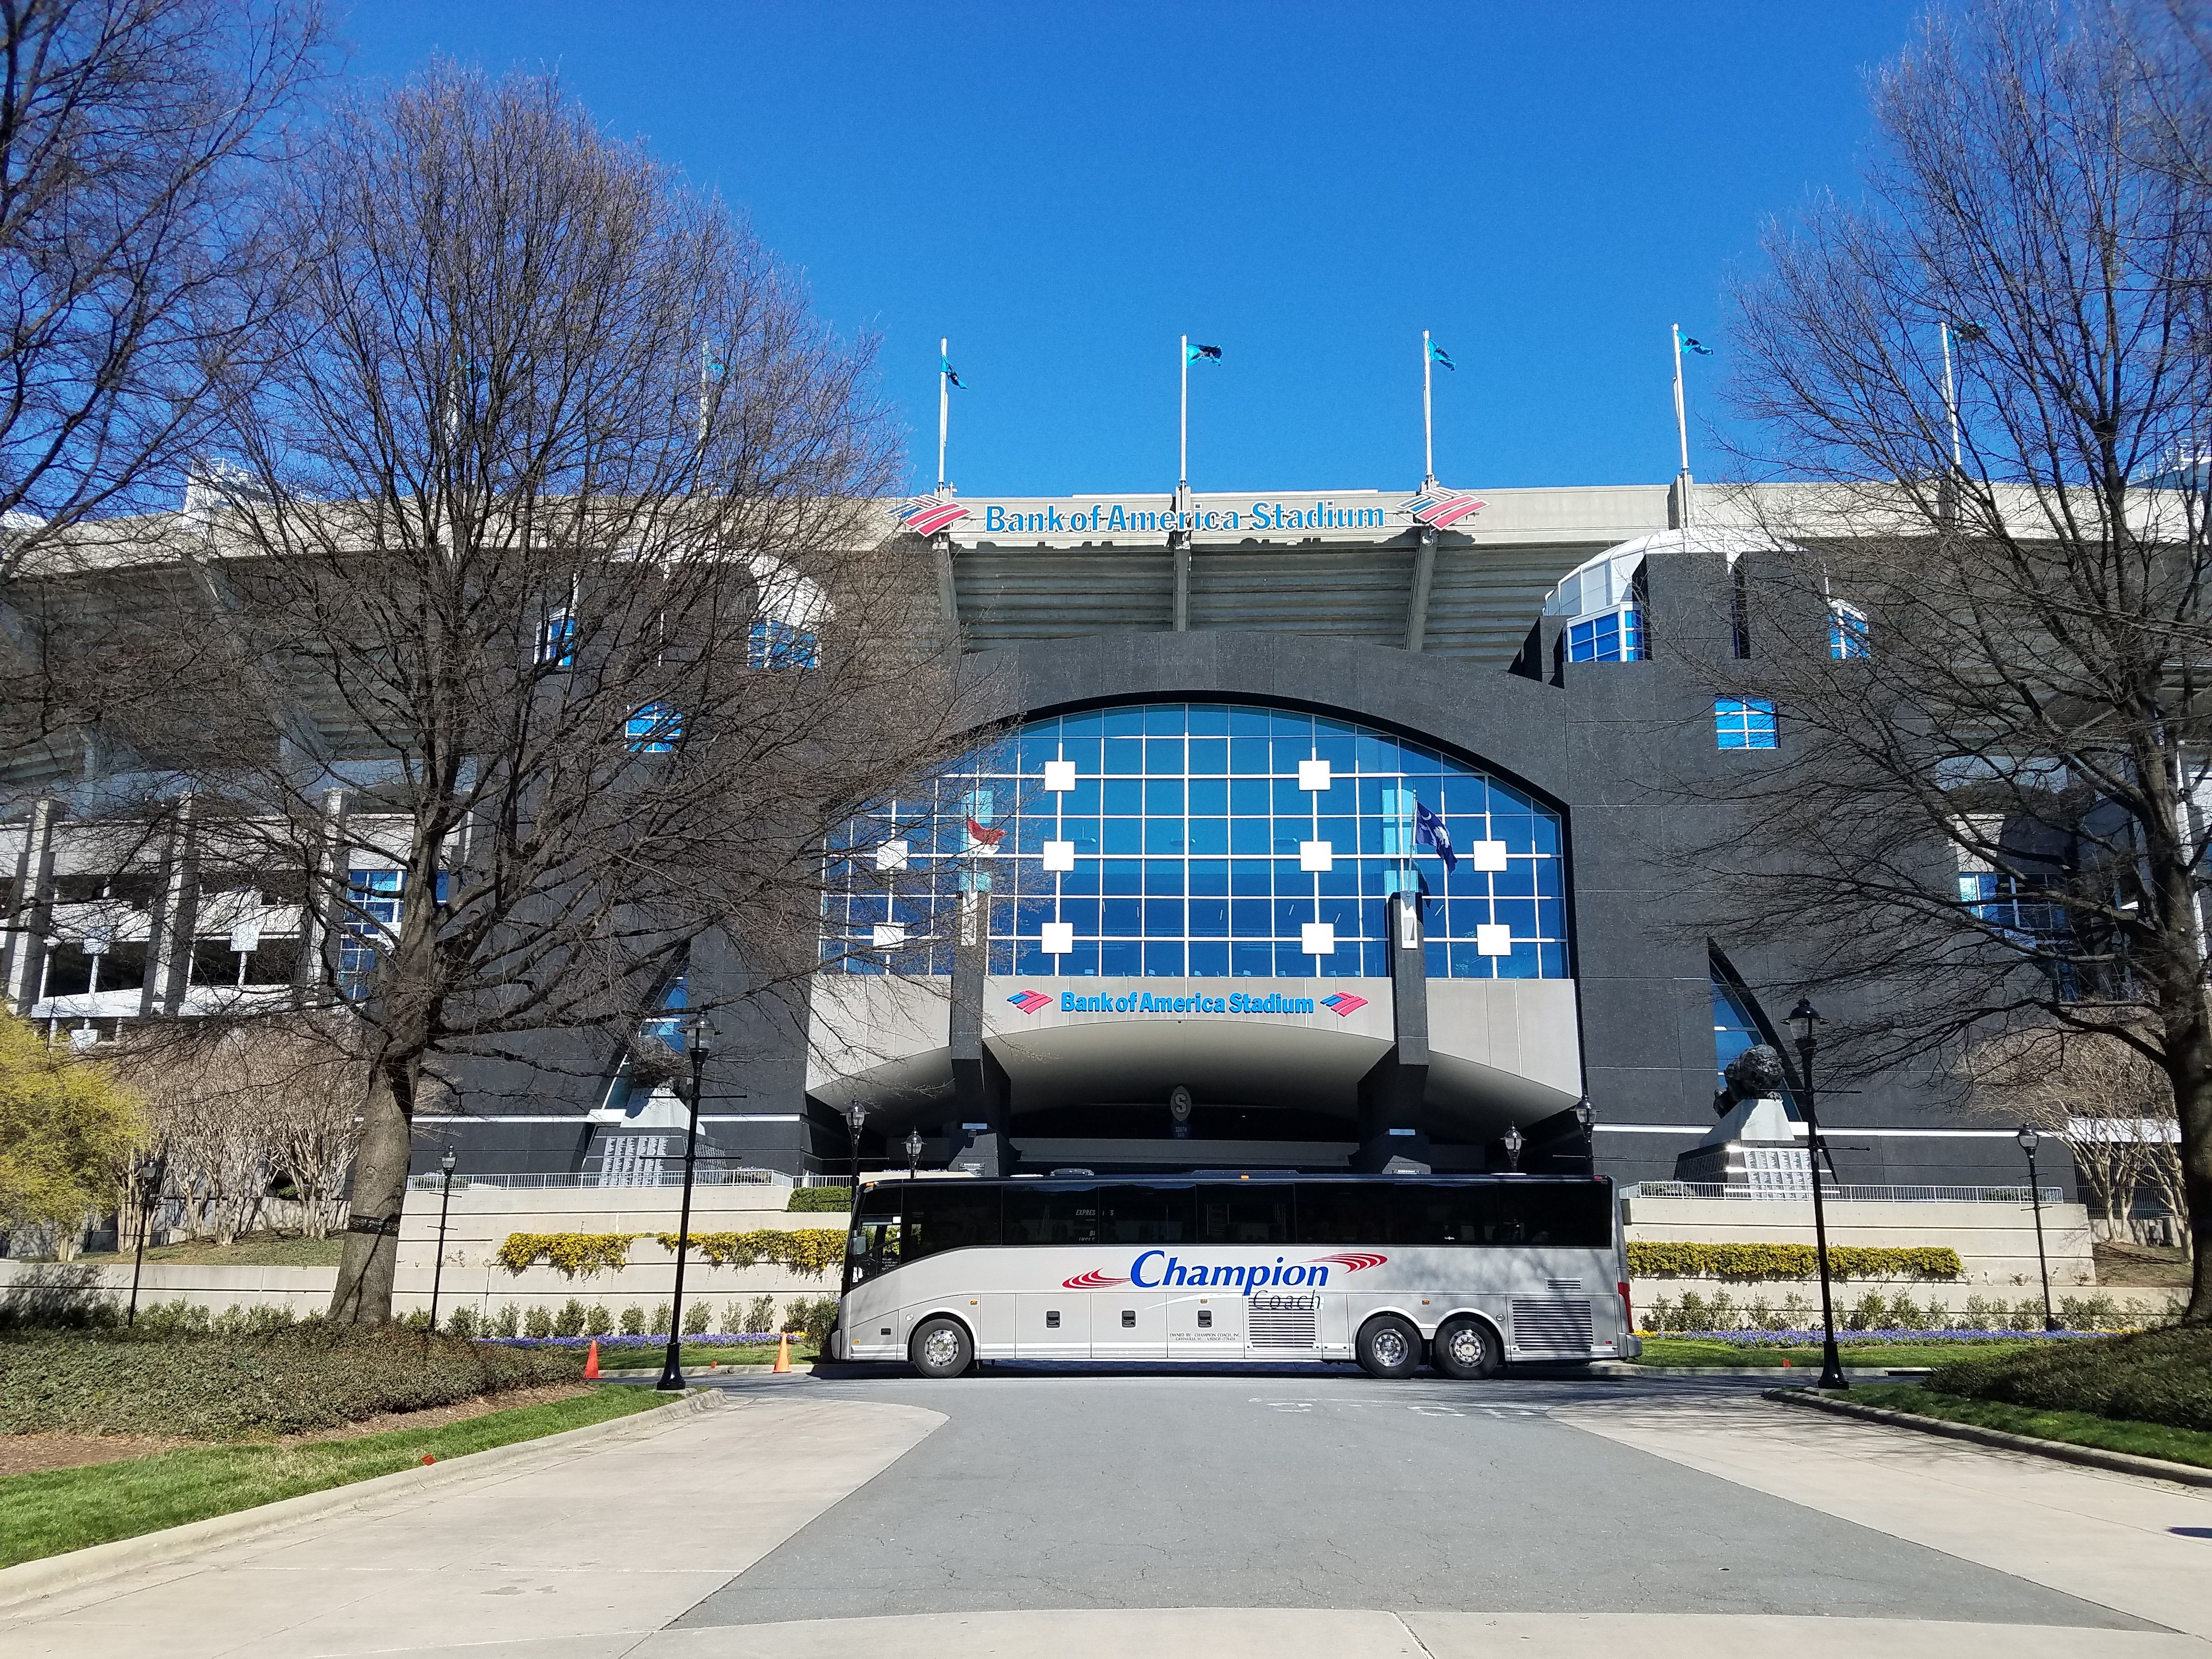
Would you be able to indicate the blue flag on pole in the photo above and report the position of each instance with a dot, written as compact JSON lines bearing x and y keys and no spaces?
{"x":951,"y":374}
{"x":1193,"y":353}
{"x":1429,"y":832}
{"x":1689,"y":344}
{"x":1439,"y":355}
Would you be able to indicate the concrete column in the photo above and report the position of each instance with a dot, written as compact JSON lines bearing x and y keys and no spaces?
{"x":169,"y":952}
{"x":318,"y":961}
{"x":948,"y":593}
{"x":1417,"y":606}
{"x":979,"y":1083}
{"x":1179,"y":545}
{"x":1391,"y":1135}
{"x":23,"y":951}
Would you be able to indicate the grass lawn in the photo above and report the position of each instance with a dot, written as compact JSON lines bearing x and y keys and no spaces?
{"x":1664,"y":1350}
{"x":62,"y":1509}
{"x":2119,"y":1263}
{"x":2075,"y":1428}
{"x":254,"y":1250}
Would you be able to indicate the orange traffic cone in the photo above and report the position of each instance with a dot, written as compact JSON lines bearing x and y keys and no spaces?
{"x":783,"y":1353}
{"x":591,"y":1359}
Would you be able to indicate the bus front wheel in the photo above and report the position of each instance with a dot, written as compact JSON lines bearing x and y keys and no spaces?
{"x":940,"y":1347}
{"x":1389,"y":1346}
{"x":1466,"y":1349}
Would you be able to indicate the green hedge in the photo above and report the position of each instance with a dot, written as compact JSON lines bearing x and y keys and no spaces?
{"x":817,"y":1199}
{"x":233,"y":1388}
{"x":1765,"y":1261}
{"x":2149,"y":1377}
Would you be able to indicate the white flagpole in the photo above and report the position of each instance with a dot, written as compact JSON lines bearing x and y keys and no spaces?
{"x":1681,"y":427}
{"x":1428,"y":420}
{"x":943,"y":405}
{"x":1951,"y":397}
{"x":1182,"y":454}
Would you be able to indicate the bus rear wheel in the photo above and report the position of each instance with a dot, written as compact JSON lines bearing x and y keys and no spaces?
{"x":1389,"y":1346}
{"x":940,"y":1348}
{"x":1466,"y":1349}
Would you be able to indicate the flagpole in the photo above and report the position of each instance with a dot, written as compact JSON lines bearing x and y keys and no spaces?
{"x":943,"y":405}
{"x":1951,"y":397}
{"x":1428,"y":419}
{"x":1681,"y":428}
{"x":1183,"y":453}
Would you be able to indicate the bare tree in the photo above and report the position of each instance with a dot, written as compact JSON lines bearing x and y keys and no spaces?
{"x":1984,"y":624}
{"x":135,"y":274}
{"x":553,"y":628}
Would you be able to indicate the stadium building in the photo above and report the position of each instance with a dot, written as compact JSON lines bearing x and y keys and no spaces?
{"x":1194,"y":910}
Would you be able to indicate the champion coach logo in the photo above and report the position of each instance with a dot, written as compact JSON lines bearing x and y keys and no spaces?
{"x":1353,"y":1261}
{"x":1440,"y":509}
{"x":925,"y":515}
{"x":1343,"y":1005}
{"x":1029,"y":1001}
{"x":1093,"y":1281}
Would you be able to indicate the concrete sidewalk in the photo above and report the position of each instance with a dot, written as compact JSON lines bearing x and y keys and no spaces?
{"x":578,"y":1556}
{"x":2140,"y":1546}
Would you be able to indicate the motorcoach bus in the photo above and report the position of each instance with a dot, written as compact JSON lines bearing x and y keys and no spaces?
{"x":1470,"y":1272}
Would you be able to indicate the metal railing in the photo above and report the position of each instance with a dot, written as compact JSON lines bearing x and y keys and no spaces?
{"x":1845,"y":1195}
{"x":637,"y":1178}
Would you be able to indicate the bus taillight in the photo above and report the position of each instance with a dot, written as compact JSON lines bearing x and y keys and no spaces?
{"x":1627,"y":1309}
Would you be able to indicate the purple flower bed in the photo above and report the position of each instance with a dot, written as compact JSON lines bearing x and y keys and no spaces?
{"x":749,"y":1338}
{"x":1813,"y":1339}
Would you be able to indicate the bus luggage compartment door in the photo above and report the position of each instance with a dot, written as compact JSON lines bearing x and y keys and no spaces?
{"x":1053,"y":1324}
{"x":1128,"y":1324}
{"x":1206,"y":1327}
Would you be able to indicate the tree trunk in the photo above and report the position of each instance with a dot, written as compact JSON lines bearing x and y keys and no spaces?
{"x":362,"y":1295}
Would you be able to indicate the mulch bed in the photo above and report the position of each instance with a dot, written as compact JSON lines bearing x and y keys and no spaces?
{"x":33,"y":1454}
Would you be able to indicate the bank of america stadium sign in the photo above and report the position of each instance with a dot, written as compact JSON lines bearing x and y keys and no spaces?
{"x":1343,"y":1003}
{"x":1075,"y":520}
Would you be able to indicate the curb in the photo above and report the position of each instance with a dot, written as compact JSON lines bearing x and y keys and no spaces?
{"x":1869,"y":1373}
{"x":29,"y":1580}
{"x":2095,"y":1458}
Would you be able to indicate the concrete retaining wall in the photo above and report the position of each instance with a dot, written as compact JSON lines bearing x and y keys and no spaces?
{"x":1995,"y":1243}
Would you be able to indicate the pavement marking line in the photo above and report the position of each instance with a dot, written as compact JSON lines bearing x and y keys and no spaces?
{"x":1334,"y":1633}
{"x":528,"y":1561}
{"x":2104,"y":1537}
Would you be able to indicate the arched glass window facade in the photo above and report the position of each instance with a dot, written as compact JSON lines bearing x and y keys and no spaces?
{"x":1191,"y":839}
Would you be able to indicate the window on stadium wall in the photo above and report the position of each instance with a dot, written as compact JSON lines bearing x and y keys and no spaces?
{"x":1200,"y":839}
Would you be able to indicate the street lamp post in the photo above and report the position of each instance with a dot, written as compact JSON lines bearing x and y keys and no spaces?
{"x":671,"y":1368}
{"x":1586,"y":1117}
{"x":1804,"y":1018}
{"x":153,"y":1175}
{"x":913,"y":1151}
{"x":2028,"y":1141}
{"x":855,"y":1116}
{"x":445,"y":1203}
{"x":1513,"y":1142}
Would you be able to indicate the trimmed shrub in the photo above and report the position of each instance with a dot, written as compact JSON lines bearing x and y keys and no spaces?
{"x":632,"y":1321}
{"x":538,"y":1323}
{"x":571,"y":1253}
{"x":462,"y":1321}
{"x":661,"y":1315}
{"x":2148,"y":1376}
{"x":697,"y":1318}
{"x":597,"y":1322}
{"x":815,"y":1200}
{"x":761,"y":1315}
{"x":811,"y":1251}
{"x":312,"y":1376}
{"x":813,"y":1319}
{"x":1688,"y":1260}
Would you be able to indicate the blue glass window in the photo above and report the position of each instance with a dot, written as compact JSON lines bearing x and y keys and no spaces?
{"x":556,"y":641}
{"x":655,"y":729}
{"x":779,"y":645}
{"x":1847,"y":632}
{"x":1744,"y":722}
{"x":372,"y":917}
{"x":1616,"y":637}
{"x":1733,"y":1031}
{"x":1208,"y":858}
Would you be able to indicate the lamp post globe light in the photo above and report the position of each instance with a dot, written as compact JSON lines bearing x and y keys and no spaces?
{"x":695,"y":1049}
{"x":913,"y":1151}
{"x":445,"y":1204}
{"x":1513,"y":1142}
{"x":152,"y":1173}
{"x":856,"y":1115}
{"x":2028,"y":1141}
{"x":1803,"y":1019}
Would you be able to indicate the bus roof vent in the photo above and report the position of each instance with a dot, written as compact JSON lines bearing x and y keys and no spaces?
{"x":1058,"y":1173}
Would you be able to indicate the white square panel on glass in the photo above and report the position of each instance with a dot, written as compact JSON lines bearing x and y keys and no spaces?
{"x":889,"y":935}
{"x":1486,"y":854}
{"x":1059,"y":937}
{"x":1493,"y":939}
{"x":1313,"y":775}
{"x":1059,"y":855}
{"x":1318,"y":938}
{"x":891,"y":855}
{"x":1316,"y":856}
{"x":1059,"y":776}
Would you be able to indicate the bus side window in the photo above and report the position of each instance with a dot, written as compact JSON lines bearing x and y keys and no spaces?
{"x":1343,"y":1212}
{"x":1052,"y":1215}
{"x":1244,"y":1215}
{"x":948,"y":1215}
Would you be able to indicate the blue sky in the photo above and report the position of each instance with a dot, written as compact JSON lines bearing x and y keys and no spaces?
{"x":1063,"y":189}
